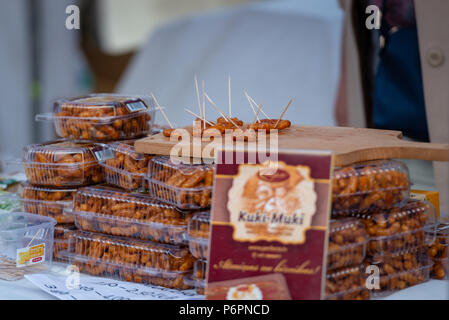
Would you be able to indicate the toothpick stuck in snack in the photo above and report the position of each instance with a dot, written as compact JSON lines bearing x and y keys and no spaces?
{"x":158,"y":107}
{"x":198,"y":96}
{"x":283,"y":112}
{"x":219,"y":111}
{"x":255,"y":118}
{"x":195,"y":115}
{"x":229,"y":96}
{"x":250,"y":104}
{"x":204,"y":105}
{"x":255,"y":103}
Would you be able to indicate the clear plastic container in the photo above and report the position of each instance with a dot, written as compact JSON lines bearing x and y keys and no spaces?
{"x":26,"y":244}
{"x":401,"y":228}
{"x":61,"y":241}
{"x":63,"y":231}
{"x":346,"y":284}
{"x":347,"y":243}
{"x":198,"y":235}
{"x":198,"y":278}
{"x":113,"y":211}
{"x":127,"y":169}
{"x":187,"y":186}
{"x":440,"y":269}
{"x":62,"y":164}
{"x":402,"y":270}
{"x":439,"y":252}
{"x":371,"y":185}
{"x":130,"y":260}
{"x":102,"y":117}
{"x":50,"y":202}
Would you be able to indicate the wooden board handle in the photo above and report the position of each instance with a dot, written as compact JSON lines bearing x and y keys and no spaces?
{"x":396,"y":150}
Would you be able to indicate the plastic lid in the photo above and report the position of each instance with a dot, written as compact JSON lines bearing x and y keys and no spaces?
{"x":125,"y":162}
{"x":33,"y":192}
{"x":349,"y":230}
{"x":127,"y":147}
{"x":417,"y":214}
{"x":111,"y":105}
{"x":21,"y":221}
{"x":199,"y":225}
{"x":116,"y":195}
{"x":376,"y":174}
{"x":62,"y":153}
{"x":342,"y":280}
{"x":63,"y":231}
{"x":443,"y":230}
{"x":199,"y":270}
{"x":162,"y":169}
{"x":113,"y":211}
{"x":144,"y":254}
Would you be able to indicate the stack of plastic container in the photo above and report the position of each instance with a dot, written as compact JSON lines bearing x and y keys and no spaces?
{"x":135,"y":227}
{"x":396,"y":230}
{"x":187,"y":186}
{"x":54,"y":171}
{"x":439,"y":252}
{"x":57,"y":169}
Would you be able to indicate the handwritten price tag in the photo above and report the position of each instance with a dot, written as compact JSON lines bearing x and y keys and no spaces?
{"x":94,"y":288}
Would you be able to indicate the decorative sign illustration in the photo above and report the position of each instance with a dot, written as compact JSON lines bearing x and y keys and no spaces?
{"x":272,"y":202}
{"x":270,"y":219}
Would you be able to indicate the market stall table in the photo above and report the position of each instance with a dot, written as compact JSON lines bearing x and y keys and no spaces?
{"x":25,"y":290}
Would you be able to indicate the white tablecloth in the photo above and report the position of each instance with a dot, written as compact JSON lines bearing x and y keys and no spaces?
{"x":25,"y":290}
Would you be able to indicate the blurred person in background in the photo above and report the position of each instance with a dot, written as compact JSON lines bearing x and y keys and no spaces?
{"x":403,"y":78}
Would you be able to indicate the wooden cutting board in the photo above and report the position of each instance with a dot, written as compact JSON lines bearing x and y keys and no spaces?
{"x":349,"y":145}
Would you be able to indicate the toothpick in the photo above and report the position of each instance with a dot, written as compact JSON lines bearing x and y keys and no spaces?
{"x":195,"y":115}
{"x":204,"y":106}
{"x":283,"y":112}
{"x":261,"y":110}
{"x":162,"y":111}
{"x":218,"y":109}
{"x":34,"y":237}
{"x":255,"y":118}
{"x":229,"y":96}
{"x":198,"y":96}
{"x":251,"y":105}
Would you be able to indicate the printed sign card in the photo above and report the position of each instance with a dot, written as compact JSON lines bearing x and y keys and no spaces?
{"x":269,"y":218}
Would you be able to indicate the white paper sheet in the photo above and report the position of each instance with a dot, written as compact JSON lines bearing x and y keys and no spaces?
{"x":94,"y":288}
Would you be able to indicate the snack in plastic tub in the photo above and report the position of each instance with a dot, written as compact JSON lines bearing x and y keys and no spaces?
{"x":63,"y":231}
{"x":400,"y":228}
{"x":347,"y":243}
{"x":102,"y":117}
{"x":198,"y":235}
{"x":400,"y":271}
{"x":26,"y":244}
{"x":187,"y":186}
{"x":61,"y":240}
{"x":130,"y":260}
{"x":198,"y":278}
{"x":49,"y":202}
{"x":116,"y":212}
{"x":440,"y":269}
{"x":127,"y":169}
{"x":346,"y":284}
{"x":62,"y":163}
{"x":370,"y":185}
{"x":439,"y":252}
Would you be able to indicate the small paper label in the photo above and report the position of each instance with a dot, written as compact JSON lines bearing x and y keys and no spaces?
{"x":104,"y":154}
{"x":30,"y":255}
{"x":136,"y":106}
